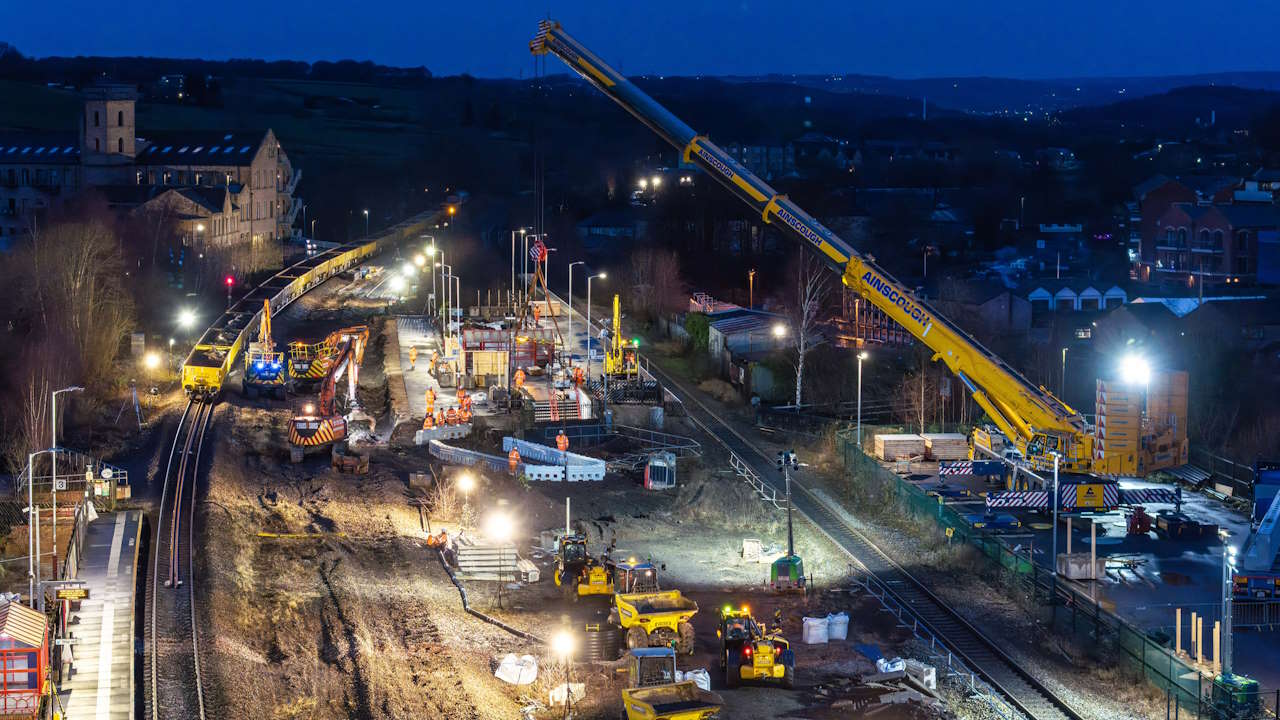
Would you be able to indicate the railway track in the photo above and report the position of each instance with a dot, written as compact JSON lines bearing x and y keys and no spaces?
{"x":981,"y":654}
{"x":175,"y":687}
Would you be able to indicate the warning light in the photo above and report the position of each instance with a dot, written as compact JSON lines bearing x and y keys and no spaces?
{"x":230,"y":281}
{"x":635,"y":342}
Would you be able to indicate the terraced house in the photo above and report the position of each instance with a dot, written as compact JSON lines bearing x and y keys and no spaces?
{"x":222,"y":192}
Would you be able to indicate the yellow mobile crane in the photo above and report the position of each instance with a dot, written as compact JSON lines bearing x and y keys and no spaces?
{"x":1037,"y":422}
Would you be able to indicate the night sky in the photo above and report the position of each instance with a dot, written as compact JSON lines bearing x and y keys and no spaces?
{"x":1033,"y":38}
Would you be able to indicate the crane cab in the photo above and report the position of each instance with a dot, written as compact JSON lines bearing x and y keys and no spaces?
{"x":1073,"y":456}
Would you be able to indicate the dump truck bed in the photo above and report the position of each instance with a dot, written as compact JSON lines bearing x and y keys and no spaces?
{"x":681,"y":701}
{"x":658,"y":602}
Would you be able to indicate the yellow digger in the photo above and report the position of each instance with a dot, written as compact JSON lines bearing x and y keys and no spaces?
{"x":749,"y":651}
{"x":578,"y":573}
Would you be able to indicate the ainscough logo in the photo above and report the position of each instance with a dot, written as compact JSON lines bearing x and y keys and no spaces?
{"x":796,"y":224}
{"x":715,"y":162}
{"x":913,"y":311}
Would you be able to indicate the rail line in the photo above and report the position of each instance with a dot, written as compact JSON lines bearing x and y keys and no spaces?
{"x":1023,"y":691}
{"x":175,"y":684}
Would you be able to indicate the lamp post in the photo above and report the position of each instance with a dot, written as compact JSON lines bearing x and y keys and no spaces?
{"x":366,"y":222}
{"x":313,"y":229}
{"x":861,"y":356}
{"x":431,"y":258}
{"x":562,"y":646}
{"x":1056,"y":502}
{"x":589,"y":279}
{"x":1062,"y":387}
{"x":466,"y":483}
{"x":1228,"y":570}
{"x":570,"y":348}
{"x":512,"y":299}
{"x":53,"y":422}
{"x":751,"y":288}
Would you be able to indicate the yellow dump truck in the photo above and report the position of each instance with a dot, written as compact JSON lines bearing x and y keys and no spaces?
{"x":656,"y":619}
{"x":681,"y":701}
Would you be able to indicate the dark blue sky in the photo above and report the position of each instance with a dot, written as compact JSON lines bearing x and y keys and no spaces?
{"x":1031,"y":38}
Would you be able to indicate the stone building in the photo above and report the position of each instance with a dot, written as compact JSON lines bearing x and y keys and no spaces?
{"x":231,"y":193}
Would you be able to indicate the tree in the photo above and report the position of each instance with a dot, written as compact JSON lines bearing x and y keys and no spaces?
{"x":811,"y":292}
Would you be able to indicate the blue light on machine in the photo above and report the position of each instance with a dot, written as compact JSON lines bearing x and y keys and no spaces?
{"x":258,"y":365}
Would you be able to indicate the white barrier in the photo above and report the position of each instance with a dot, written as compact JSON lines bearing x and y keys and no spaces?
{"x":496,"y":463}
{"x":577,"y":467}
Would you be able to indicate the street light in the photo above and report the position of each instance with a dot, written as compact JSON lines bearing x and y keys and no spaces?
{"x":408,"y":269}
{"x":466,"y":483}
{"x":151,"y":360}
{"x":861,"y":356}
{"x":420,"y":260}
{"x":562,"y":644}
{"x":1062,"y":387}
{"x":657,"y":180}
{"x":570,"y":348}
{"x":779,"y":330}
{"x":589,"y":279}
{"x":513,"y":264}
{"x":397,"y":284}
{"x":53,"y":444}
{"x":186,"y":318}
{"x":1135,"y":370}
{"x":643,"y":183}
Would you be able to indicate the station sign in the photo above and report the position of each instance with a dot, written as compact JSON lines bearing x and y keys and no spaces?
{"x":74,"y":594}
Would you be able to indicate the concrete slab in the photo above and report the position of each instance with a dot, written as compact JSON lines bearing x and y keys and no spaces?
{"x":101,"y":681}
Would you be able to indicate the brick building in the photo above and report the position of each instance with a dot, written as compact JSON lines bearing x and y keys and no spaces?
{"x":1216,"y":243}
{"x":233,"y":191}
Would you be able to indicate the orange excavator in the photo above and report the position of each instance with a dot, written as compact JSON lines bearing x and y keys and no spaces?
{"x":310,"y":362}
{"x":323,"y":423}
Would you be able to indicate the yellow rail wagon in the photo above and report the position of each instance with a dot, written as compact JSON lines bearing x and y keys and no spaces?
{"x":216,"y":353}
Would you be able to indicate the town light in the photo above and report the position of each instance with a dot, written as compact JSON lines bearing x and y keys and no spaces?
{"x":151,"y":360}
{"x":657,"y":180}
{"x":498,"y":527}
{"x":452,"y":210}
{"x":643,"y":183}
{"x":199,"y":227}
{"x":419,"y":260}
{"x":779,"y":330}
{"x":562,"y":644}
{"x":1135,"y":370}
{"x":863,"y":355}
{"x":408,"y":270}
{"x":186,"y":317}
{"x":431,"y":251}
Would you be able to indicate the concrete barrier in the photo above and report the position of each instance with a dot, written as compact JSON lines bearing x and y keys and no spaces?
{"x":1076,"y":566}
{"x":578,"y":468}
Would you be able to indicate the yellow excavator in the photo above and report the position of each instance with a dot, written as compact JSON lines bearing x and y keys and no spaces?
{"x":621,"y":358}
{"x":1039,"y":424}
{"x":265,"y":372}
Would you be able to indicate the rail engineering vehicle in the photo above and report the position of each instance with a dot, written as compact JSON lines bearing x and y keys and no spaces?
{"x":1041,"y":425}
{"x":214,"y":355}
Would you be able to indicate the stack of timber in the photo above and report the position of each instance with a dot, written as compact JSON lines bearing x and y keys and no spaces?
{"x":946,"y":446}
{"x":892,"y":447}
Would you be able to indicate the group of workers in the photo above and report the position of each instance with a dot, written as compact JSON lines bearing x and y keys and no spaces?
{"x":459,"y":414}
{"x":413,"y":359}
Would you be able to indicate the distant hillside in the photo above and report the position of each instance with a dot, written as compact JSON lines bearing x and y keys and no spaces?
{"x":999,"y":95}
{"x":1178,"y":111}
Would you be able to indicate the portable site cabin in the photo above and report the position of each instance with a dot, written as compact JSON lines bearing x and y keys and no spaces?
{"x":24,"y":660}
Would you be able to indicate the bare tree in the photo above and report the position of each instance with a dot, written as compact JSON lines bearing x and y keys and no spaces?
{"x":812,"y":289}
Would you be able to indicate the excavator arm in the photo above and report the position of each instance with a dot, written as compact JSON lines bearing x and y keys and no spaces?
{"x":1029,"y":415}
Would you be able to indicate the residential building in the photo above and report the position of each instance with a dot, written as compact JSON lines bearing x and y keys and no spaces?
{"x":39,"y":172}
{"x":1218,"y":244}
{"x":1073,"y":295}
{"x":612,"y":230}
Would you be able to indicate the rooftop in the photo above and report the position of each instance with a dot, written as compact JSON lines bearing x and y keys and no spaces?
{"x":39,"y":148}
{"x":234,"y":148}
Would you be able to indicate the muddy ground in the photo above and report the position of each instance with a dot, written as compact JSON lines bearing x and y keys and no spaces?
{"x":322,"y":600}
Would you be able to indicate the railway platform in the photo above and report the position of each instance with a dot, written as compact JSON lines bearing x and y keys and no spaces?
{"x":100,"y":685}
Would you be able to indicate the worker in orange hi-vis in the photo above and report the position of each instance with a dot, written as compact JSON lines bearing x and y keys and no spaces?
{"x":413,"y":357}
{"x":513,"y":460}
{"x":519,"y":378}
{"x":451,"y":416}
{"x":579,"y":376}
{"x":562,"y":441}
{"x":537,"y":314}
{"x":435,"y":361}
{"x":440,"y":418}
{"x":429,"y":421}
{"x":462,"y":392}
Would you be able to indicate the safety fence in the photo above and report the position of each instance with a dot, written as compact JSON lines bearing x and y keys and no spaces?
{"x":1074,"y":616}
{"x":1238,"y":477}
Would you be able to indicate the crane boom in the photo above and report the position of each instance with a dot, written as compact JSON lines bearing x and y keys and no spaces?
{"x":1028,"y":414}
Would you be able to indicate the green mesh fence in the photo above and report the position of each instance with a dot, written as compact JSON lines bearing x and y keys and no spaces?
{"x":1073,"y":616}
